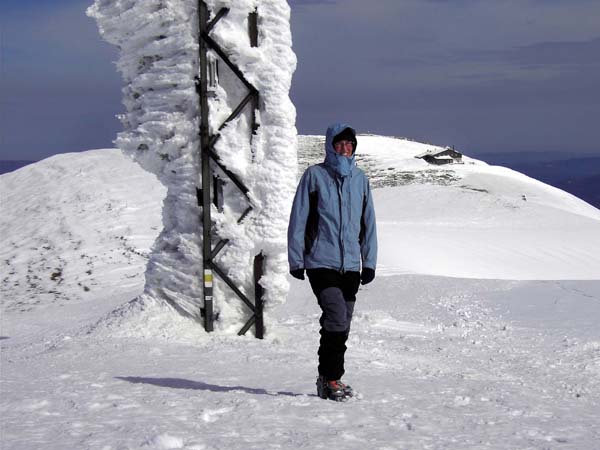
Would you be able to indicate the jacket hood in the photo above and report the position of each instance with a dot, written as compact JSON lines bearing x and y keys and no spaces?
{"x":342,"y":165}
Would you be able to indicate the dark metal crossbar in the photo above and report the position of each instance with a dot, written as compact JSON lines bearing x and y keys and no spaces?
{"x":223,"y":12}
{"x":236,"y":112}
{"x":222,"y":243}
{"x":219,"y":51}
{"x":232,"y":285}
{"x":232,"y":176}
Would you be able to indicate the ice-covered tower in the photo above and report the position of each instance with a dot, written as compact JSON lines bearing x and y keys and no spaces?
{"x":208,"y":111}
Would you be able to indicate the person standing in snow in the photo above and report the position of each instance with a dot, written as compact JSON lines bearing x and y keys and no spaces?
{"x":332,"y":235}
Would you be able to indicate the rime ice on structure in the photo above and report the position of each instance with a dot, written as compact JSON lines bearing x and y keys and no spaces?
{"x":158,"y":43}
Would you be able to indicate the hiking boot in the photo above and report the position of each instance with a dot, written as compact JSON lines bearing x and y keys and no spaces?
{"x":348,"y":391}
{"x":321,"y":387}
{"x":332,"y":390}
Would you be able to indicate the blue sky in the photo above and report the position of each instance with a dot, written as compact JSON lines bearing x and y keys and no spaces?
{"x":485,"y":76}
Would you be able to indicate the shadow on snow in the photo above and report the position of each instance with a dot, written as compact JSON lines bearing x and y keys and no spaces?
{"x":179,"y":383}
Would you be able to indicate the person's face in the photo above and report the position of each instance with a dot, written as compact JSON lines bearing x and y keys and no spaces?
{"x":344,"y":148}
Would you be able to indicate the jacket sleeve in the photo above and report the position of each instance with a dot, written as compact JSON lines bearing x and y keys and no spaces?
{"x":368,"y":246}
{"x":297,"y":225}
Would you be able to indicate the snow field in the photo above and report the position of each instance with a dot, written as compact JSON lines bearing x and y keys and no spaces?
{"x":453,"y":231}
{"x":438,"y":361}
{"x":435,"y":364}
{"x":86,"y":223}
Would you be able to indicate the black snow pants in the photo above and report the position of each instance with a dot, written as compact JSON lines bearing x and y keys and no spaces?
{"x":336,"y":294}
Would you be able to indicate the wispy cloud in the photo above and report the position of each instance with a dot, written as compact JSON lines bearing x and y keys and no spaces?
{"x":566,"y":53}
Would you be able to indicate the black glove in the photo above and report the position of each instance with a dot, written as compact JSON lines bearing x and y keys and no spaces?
{"x":367,"y":275}
{"x":298,"y":273}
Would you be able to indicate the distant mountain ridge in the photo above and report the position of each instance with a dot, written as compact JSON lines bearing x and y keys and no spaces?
{"x":587,"y":189}
{"x":10,"y":165}
{"x":560,"y":169}
{"x":579,"y":176}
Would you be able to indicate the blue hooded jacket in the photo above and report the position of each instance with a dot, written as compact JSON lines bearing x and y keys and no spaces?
{"x":332,"y":223}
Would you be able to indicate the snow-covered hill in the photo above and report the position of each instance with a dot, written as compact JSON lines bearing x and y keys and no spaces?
{"x":75,"y":225}
{"x":471,"y":220}
{"x":451,"y":346}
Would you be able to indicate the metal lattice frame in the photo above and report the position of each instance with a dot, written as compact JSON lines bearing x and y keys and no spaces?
{"x":208,"y":154}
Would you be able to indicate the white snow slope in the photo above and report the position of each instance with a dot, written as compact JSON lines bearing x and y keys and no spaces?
{"x":451,"y":346}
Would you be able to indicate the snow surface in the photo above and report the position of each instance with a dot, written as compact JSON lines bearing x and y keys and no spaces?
{"x":439,"y":360}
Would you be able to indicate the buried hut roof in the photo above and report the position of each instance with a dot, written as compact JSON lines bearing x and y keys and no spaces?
{"x":440,"y":153}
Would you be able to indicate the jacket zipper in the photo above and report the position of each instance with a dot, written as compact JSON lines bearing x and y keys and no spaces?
{"x":341,"y":196}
